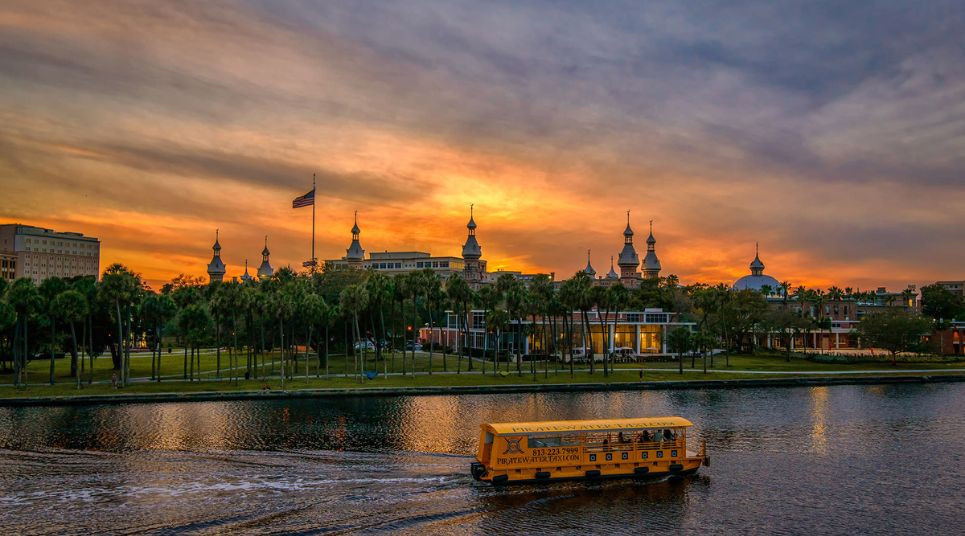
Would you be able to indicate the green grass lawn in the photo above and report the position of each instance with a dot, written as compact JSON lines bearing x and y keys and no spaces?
{"x":342,"y":373}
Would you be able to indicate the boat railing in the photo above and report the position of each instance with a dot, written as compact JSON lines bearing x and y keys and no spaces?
{"x":634,"y":445}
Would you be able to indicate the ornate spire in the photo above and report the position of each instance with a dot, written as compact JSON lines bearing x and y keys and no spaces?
{"x":613,"y":273}
{"x":651,"y":264}
{"x":216,"y":268}
{"x":471,"y":249}
{"x":589,"y":267}
{"x":246,"y":277}
{"x":757,"y":267}
{"x":355,"y":252}
{"x":265,"y":270}
{"x":628,"y":260}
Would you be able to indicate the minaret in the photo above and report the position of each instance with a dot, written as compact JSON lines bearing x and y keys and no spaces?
{"x":651,"y":264}
{"x":628,"y":261}
{"x":612,"y":274}
{"x":265,"y":270}
{"x":589,"y":267}
{"x":355,"y":254}
{"x":757,"y":267}
{"x":471,"y":252}
{"x":216,"y":268}
{"x":246,"y":277}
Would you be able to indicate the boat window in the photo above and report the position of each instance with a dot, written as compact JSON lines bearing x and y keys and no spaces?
{"x":489,"y":438}
{"x":540,"y":440}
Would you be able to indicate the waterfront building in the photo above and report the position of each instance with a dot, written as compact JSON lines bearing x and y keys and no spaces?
{"x":216,"y":268}
{"x":638,"y":334}
{"x":265,"y":270}
{"x":38,"y":253}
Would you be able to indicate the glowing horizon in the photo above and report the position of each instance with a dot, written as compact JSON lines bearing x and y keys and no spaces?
{"x":149,"y":127}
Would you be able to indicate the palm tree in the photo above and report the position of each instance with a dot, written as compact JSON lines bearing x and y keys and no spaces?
{"x":380,"y":292}
{"x":516,"y":298}
{"x":313,"y":309}
{"x":195,"y":321}
{"x":430,"y":286}
{"x":598,"y":299}
{"x":412,"y":283}
{"x":582,"y":299}
{"x":120,"y":286}
{"x":353,"y":300}
{"x":679,"y":342}
{"x":8,"y":315}
{"x":489,"y":298}
{"x":26,"y":300}
{"x":496,"y":320}
{"x":71,"y":307}
{"x":461,"y":297}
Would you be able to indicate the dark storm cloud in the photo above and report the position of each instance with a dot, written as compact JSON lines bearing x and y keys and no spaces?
{"x":817,"y":124}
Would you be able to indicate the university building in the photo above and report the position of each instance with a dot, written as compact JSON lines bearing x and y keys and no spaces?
{"x":843,"y":311}
{"x":38,"y":253}
{"x":217,"y":268}
{"x":471,"y":266}
{"x":628,"y":262}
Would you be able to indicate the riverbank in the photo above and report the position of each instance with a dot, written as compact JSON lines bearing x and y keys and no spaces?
{"x":492,"y":388}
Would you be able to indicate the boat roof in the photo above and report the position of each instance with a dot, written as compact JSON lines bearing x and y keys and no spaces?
{"x":587,"y":426}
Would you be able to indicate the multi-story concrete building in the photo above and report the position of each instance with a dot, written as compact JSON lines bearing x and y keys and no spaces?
{"x":955,"y":287}
{"x":38,"y":253}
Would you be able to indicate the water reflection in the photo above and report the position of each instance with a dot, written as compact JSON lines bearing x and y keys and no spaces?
{"x":819,"y":414}
{"x":782,"y":459}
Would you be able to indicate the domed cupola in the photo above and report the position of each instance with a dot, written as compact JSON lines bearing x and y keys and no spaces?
{"x":651,"y":264}
{"x":628,"y":261}
{"x":612,"y":274}
{"x":216,"y":268}
{"x":757,"y":267}
{"x":758,"y":280}
{"x":471,"y":249}
{"x":355,"y":252}
{"x":589,"y":267}
{"x":246,"y":277}
{"x":265,"y":270}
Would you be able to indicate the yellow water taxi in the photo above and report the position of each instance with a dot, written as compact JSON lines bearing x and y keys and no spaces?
{"x":525,"y":452}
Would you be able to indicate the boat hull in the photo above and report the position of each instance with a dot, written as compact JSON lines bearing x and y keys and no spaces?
{"x":683,"y":467}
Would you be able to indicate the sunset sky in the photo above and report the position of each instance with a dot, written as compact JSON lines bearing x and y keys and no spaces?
{"x":831,"y":132}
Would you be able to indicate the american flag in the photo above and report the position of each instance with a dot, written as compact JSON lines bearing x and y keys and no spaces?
{"x":306,"y":200}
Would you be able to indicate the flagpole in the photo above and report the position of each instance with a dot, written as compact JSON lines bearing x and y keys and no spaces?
{"x":314,"y":262}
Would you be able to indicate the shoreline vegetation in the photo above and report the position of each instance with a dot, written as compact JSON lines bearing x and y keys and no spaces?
{"x":351,"y":330}
{"x":742,"y":371}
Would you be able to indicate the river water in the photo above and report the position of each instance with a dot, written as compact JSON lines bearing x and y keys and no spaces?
{"x":820,"y":460}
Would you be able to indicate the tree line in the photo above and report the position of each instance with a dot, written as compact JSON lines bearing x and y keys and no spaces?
{"x":300,"y":318}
